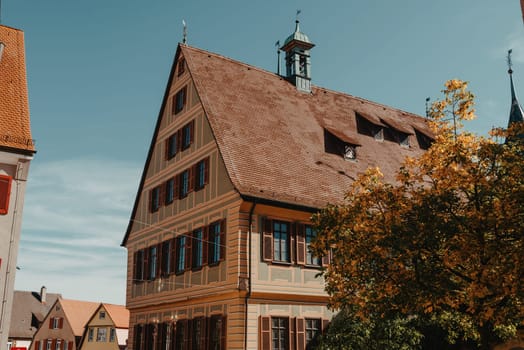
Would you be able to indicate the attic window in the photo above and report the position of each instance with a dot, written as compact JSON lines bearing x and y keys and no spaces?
{"x":102,"y":315}
{"x":179,"y":100}
{"x":365,"y":127}
{"x":424,"y":141}
{"x":335,"y":145}
{"x":403,"y":139}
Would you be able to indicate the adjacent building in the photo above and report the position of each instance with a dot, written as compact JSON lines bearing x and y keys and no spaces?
{"x":16,"y":152}
{"x":107,"y":329}
{"x":63,"y":326}
{"x":29,"y":311}
{"x":239,"y":161}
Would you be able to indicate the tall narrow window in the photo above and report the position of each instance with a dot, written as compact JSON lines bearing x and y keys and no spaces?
{"x":280,"y":333}
{"x":170,"y":190}
{"x":139,"y":266}
{"x":184,"y":183}
{"x":216,"y":242}
{"x":198,"y":245}
{"x":58,"y":344}
{"x":153,"y":261}
{"x":217,"y":332}
{"x":166,"y":258}
{"x":101,"y":334}
{"x":155,"y":199}
{"x":181,"y":334}
{"x":181,"y":254}
{"x":187,"y":135}
{"x":310,"y":234}
{"x":90,"y":334}
{"x":201,"y":173}
{"x":312,"y":332}
{"x":281,"y":241}
{"x":171,"y":146}
{"x":198,"y":333}
{"x":179,"y":100}
{"x":112,"y":335}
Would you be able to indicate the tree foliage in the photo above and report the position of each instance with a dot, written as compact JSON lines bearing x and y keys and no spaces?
{"x":446,"y":239}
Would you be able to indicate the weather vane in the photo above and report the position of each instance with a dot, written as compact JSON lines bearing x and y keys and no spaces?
{"x":298,"y":13}
{"x":509,"y":61}
{"x":184,"y":33}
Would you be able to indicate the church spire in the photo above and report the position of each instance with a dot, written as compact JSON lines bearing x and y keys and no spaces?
{"x":515,"y":114}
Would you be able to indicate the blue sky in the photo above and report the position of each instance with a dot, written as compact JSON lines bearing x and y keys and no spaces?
{"x":97,"y":71}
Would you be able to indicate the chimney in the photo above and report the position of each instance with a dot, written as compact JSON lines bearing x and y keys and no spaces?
{"x":43,"y":295}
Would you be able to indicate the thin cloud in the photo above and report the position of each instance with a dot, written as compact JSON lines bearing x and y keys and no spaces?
{"x":75,"y":215}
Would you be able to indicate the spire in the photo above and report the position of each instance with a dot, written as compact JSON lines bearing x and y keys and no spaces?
{"x":298,"y":60}
{"x":516,"y":114}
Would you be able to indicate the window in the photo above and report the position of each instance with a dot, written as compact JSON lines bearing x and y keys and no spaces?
{"x":166,"y":257}
{"x":90,"y":334}
{"x":58,"y":344}
{"x":312,"y":332}
{"x":198,"y":244}
{"x":302,"y":66}
{"x":153,"y":262}
{"x":170,"y":191}
{"x":49,"y":344}
{"x":201,"y":173}
{"x":280,"y":333}
{"x":217,"y":331}
{"x":187,"y":135}
{"x":281,"y":241}
{"x":184,"y":183}
{"x":181,"y":334}
{"x":5,"y":192}
{"x":101,"y":334}
{"x":424,"y":141}
{"x":139,"y":266}
{"x":112,"y":335}
{"x":198,"y":334}
{"x":102,"y":315}
{"x":179,"y":100}
{"x":56,"y":323}
{"x":155,"y":199}
{"x":181,"y":253}
{"x":171,"y":146}
{"x":216,"y":247}
{"x":310,"y":235}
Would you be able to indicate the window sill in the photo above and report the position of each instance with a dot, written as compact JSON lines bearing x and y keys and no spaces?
{"x":284,"y":263}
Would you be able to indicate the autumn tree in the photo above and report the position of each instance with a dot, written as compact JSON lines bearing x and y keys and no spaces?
{"x":445,"y":242}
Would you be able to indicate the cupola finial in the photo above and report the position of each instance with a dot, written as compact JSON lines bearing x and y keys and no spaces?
{"x":184,"y":32}
{"x":510,"y":64}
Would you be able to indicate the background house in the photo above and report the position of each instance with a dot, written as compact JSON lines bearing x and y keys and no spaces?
{"x":107,"y":328}
{"x":63,"y":326}
{"x":240,"y":158}
{"x":29,"y":311}
{"x":16,"y":152}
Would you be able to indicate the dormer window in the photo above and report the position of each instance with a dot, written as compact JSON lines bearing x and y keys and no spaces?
{"x":340,"y":143}
{"x":102,"y":315}
{"x":378,"y":133}
{"x":370,"y":126}
{"x":424,"y":141}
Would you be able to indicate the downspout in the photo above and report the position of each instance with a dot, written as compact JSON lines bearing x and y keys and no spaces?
{"x":248,"y":294}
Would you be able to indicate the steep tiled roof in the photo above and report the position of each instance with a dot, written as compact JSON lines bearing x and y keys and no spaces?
{"x":15,"y":131}
{"x":119,"y":314}
{"x":78,"y":313}
{"x":28,"y":311}
{"x":271,"y":136}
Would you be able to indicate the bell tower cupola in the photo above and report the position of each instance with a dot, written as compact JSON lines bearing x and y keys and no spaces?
{"x":298,"y":60}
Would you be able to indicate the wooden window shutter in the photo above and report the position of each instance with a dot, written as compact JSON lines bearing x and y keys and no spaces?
{"x":145,"y":266}
{"x":173,"y":255}
{"x":291,"y":332}
{"x":191,"y":178}
{"x":70,"y":345}
{"x":53,"y":344}
{"x":191,"y":131}
{"x":61,"y":323}
{"x":162,"y":194}
{"x":205,"y":240}
{"x":159,"y":260}
{"x":326,"y":259}
{"x":179,"y":139}
{"x":206,"y":171}
{"x":189,"y":244}
{"x":5,"y":193}
{"x":223,"y":336}
{"x":176,"y":187}
{"x":223,"y":242}
{"x":37,"y":345}
{"x":265,"y":333}
{"x":135,"y":272}
{"x":300,"y":333}
{"x":51,"y":323}
{"x":203,"y":330}
{"x":325,"y":324}
{"x":301,"y":244}
{"x":267,"y":239}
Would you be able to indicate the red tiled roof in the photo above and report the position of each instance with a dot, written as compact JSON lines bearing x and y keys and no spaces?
{"x":78,"y":313}
{"x":271,"y":136}
{"x":15,"y":131}
{"x":119,"y":314}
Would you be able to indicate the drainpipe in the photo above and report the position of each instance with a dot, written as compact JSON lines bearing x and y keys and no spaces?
{"x":248,"y":295}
